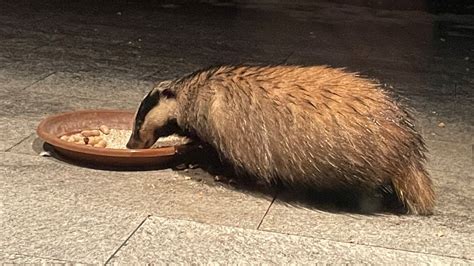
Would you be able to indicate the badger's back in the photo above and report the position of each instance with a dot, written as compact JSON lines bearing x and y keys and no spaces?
{"x":303,"y":126}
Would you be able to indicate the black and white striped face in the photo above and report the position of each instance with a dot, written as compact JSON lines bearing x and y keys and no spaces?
{"x":154,"y":118}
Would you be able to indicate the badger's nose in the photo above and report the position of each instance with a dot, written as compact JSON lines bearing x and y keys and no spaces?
{"x":133,"y":144}
{"x":130,"y":145}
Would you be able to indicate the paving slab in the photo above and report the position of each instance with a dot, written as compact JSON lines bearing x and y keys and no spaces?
{"x":36,"y":105}
{"x":170,"y":68}
{"x":460,"y":131}
{"x":451,"y":157}
{"x":447,"y":118}
{"x":415,"y":42}
{"x":13,"y":47}
{"x":56,"y":210}
{"x":14,"y":130}
{"x":448,"y":233}
{"x":354,"y":61}
{"x":142,"y":38}
{"x":42,"y":218}
{"x":63,"y":60}
{"x":13,"y":79}
{"x":31,"y":145}
{"x":24,"y":35}
{"x":86,"y":49}
{"x":15,"y":259}
{"x":421,"y":83}
{"x":95,"y":86}
{"x":454,"y":195}
{"x":69,"y":59}
{"x":162,"y":240}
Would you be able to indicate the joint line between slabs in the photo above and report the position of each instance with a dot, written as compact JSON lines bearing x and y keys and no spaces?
{"x":268,"y":210}
{"x":18,"y":143}
{"x":373,"y":246}
{"x":44,"y":258}
{"x":39,"y":80}
{"x":126,"y":240}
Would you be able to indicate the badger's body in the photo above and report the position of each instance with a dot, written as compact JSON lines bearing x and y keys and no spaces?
{"x":314,"y":127}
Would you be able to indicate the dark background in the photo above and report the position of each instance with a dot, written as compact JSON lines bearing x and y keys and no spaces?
{"x":432,"y":6}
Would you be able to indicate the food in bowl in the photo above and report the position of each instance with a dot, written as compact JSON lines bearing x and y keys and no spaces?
{"x":105,"y":137}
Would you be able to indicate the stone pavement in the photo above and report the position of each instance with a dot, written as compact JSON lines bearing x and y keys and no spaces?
{"x":56,"y":59}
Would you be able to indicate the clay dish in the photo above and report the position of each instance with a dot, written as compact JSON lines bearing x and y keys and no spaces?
{"x":52,"y":127}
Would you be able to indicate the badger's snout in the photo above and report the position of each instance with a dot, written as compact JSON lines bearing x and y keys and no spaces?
{"x":143,"y":140}
{"x":134,"y":144}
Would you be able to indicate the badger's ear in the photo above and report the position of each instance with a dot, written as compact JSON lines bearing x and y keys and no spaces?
{"x":164,"y":84}
{"x":167,"y":93}
{"x":165,"y":89}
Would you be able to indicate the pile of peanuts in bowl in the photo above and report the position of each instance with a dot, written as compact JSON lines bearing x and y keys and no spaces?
{"x":91,"y":137}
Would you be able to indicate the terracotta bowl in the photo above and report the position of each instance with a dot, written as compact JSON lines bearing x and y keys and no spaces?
{"x":52,"y":127}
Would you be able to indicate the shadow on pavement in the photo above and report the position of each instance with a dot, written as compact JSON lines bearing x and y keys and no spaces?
{"x":203,"y":165}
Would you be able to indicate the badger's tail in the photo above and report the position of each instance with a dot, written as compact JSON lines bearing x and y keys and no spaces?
{"x":414,"y":188}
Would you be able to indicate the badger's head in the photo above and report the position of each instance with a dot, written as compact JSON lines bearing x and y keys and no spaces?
{"x":156,"y":117}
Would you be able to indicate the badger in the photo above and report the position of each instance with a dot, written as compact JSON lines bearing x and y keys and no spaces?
{"x":315,"y":127}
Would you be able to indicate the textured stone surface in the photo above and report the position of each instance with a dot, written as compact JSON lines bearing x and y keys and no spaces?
{"x":451,"y":157}
{"x":48,"y":207}
{"x":172,"y":241}
{"x":15,"y":259}
{"x":32,"y":145}
{"x":448,"y":232}
{"x":63,"y":56}
{"x":35,"y":106}
{"x":93,"y":86}
{"x":13,"y":131}
{"x":426,"y":83}
{"x":42,"y":214}
{"x":454,"y":112}
{"x":14,"y":80}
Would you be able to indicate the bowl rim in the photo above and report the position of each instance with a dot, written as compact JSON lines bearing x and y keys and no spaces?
{"x":106,"y":152}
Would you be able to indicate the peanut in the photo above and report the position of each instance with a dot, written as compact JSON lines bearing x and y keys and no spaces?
{"x":71,"y":139}
{"x":90,"y":133}
{"x":105,"y":129}
{"x":77,"y":137}
{"x":64,"y":137}
{"x":101,"y":144}
{"x":94,"y":140}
